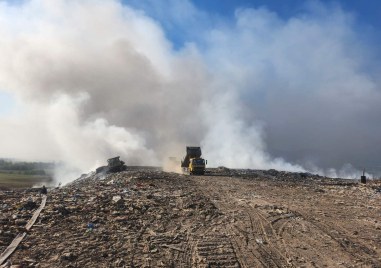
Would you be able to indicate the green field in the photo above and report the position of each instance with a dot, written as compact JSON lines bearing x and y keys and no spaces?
{"x":21,"y":174}
{"x":9,"y":180}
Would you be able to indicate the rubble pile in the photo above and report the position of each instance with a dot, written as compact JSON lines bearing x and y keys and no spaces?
{"x":127,"y":219}
{"x":16,"y":209}
{"x":144,"y":217}
{"x":268,"y":174}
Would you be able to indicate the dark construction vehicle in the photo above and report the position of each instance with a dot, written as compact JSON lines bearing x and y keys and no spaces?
{"x":114,"y":165}
{"x":193,"y":162}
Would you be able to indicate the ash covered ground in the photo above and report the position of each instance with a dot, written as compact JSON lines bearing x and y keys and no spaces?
{"x":228,"y":218}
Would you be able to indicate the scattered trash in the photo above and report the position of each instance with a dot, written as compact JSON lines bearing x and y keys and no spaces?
{"x":90,"y":227}
{"x":149,"y":218}
{"x":68,"y":256}
{"x":29,"y":205}
{"x":44,"y":190}
{"x":116,"y":198}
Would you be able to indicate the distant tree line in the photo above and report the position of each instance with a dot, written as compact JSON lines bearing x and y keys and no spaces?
{"x":27,"y":168}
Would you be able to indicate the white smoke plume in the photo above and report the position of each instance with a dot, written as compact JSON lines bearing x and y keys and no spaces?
{"x":96,"y":79}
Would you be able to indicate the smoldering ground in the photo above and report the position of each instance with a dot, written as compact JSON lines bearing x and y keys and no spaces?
{"x":95,"y":79}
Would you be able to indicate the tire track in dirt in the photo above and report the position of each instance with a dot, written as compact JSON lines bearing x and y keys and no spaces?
{"x":215,"y":251}
{"x":356,"y":250}
{"x":316,"y":239}
{"x":256,"y":241}
{"x":275,"y":247}
{"x":269,"y":235}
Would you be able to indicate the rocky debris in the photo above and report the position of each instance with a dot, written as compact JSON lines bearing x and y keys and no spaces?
{"x":120,"y":219}
{"x":16,"y":208}
{"x":231,"y":218}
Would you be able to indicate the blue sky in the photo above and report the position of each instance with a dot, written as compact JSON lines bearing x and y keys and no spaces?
{"x":369,"y":12}
{"x":367,"y":15}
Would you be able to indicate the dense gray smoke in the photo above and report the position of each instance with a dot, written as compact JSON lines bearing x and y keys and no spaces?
{"x":95,"y":79}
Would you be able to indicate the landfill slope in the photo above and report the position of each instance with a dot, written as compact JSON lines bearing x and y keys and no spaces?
{"x":228,"y":218}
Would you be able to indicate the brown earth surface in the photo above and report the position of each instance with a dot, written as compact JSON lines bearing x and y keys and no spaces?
{"x":227,"y":218}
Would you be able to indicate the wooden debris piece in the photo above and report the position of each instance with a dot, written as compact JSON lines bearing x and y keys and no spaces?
{"x":36,"y":214}
{"x":11,"y":248}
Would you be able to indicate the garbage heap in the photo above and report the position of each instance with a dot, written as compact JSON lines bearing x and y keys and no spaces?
{"x":126,"y":219}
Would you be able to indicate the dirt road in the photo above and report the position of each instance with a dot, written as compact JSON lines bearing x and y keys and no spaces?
{"x":228,"y":218}
{"x":289,"y":223}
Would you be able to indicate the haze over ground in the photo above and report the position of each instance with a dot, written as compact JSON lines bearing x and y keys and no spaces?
{"x":291,"y":88}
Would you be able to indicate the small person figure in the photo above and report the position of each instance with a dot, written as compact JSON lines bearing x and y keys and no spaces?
{"x":44,"y":190}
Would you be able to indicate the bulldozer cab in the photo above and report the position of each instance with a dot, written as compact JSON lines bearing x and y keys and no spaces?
{"x":115,"y":161}
{"x":113,"y":165}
